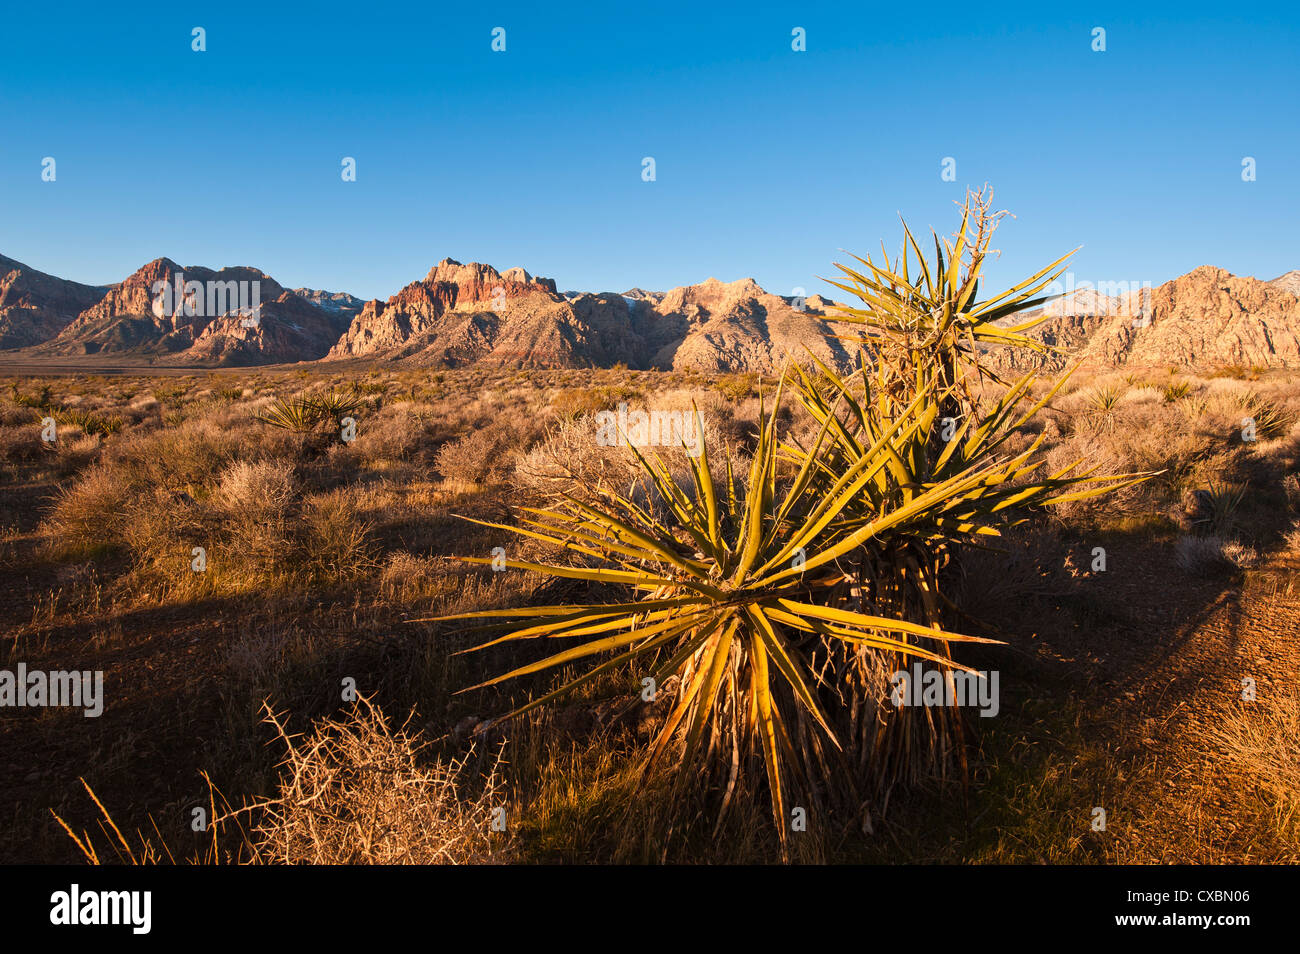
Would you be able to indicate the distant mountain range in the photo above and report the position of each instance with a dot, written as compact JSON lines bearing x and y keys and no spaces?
{"x":459,"y":315}
{"x":1208,"y":318}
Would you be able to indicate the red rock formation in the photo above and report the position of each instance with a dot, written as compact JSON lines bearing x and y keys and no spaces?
{"x":35,"y":307}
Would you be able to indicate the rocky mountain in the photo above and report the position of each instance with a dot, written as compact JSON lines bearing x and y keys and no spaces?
{"x":462,"y":314}
{"x":35,"y":307}
{"x":236,"y":315}
{"x":338,"y":303}
{"x":1289,"y":282}
{"x":472,"y":314}
{"x":1207,"y":318}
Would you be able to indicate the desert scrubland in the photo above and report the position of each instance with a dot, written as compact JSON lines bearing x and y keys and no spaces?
{"x":1130,"y":622}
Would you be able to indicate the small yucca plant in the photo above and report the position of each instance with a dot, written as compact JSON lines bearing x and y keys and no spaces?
{"x":337,"y":405}
{"x":1222,"y":502}
{"x":1270,"y":420}
{"x":34,"y":401}
{"x":299,"y":415}
{"x":1105,"y":399}
{"x":303,"y":415}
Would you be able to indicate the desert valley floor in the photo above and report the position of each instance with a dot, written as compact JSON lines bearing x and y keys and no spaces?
{"x":1122,"y":686}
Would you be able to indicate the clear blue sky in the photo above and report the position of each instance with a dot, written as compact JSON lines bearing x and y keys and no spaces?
{"x":768,"y":161}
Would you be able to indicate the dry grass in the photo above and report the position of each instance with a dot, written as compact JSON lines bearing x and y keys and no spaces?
{"x":1261,"y":741}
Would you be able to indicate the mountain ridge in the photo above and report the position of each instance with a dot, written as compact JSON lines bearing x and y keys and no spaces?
{"x":463,"y":314}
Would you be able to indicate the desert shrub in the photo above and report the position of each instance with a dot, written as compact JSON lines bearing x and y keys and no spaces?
{"x":252,"y":503}
{"x":12,"y":415}
{"x":579,"y":401}
{"x":1291,"y":538}
{"x":357,"y":792}
{"x":1291,"y":490}
{"x":490,"y":453}
{"x":399,"y":433}
{"x":76,"y":450}
{"x":171,"y":395}
{"x":22,"y":442}
{"x":261,"y":488}
{"x":1211,"y":554}
{"x":736,"y":387}
{"x":472,"y":459}
{"x":183,"y":458}
{"x":353,"y":791}
{"x":571,"y":459}
{"x":336,"y":541}
{"x":1194,"y":408}
{"x":405,"y":575}
{"x":161,"y":529}
{"x":1141,"y":438}
{"x":90,"y":514}
{"x":144,"y":408}
{"x":1237,"y":372}
{"x":1143,"y":394}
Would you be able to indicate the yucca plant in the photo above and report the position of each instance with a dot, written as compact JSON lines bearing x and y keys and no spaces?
{"x":905,"y":575}
{"x":1223,"y":499}
{"x":337,"y":405}
{"x":88,"y":422}
{"x":926,"y":318}
{"x":785,"y":601}
{"x":303,"y":415}
{"x":1104,"y":399}
{"x":742,"y":593}
{"x":1176,"y":390}
{"x":34,"y":401}
{"x":1271,"y":421}
{"x":299,"y":415}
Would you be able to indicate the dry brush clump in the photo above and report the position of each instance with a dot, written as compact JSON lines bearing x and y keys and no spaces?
{"x":358,"y":792}
{"x":352,"y":791}
{"x":579,"y":455}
